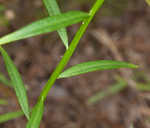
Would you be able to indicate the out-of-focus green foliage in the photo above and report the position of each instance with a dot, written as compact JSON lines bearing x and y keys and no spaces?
{"x":3,"y":20}
{"x":148,"y":2}
{"x":120,"y":85}
{"x":3,"y":102}
{"x":2,"y":8}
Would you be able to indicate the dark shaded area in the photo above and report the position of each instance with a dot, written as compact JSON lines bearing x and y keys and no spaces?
{"x":124,"y":24}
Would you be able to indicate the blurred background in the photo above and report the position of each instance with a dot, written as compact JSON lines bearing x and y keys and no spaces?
{"x":105,"y":99}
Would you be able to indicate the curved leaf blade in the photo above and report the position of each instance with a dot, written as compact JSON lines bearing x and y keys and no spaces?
{"x":17,"y":82}
{"x":94,"y":66}
{"x":36,"y":115}
{"x":53,"y":9}
{"x":45,"y":25}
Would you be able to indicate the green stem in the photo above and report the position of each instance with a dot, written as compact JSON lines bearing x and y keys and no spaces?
{"x":70,"y":50}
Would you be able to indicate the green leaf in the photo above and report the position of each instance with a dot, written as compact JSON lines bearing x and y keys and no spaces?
{"x":17,"y":82}
{"x":4,"y":80}
{"x":94,"y":66}
{"x":148,"y":2}
{"x":45,"y":25}
{"x":36,"y":116}
{"x":9,"y":116}
{"x":53,"y":9}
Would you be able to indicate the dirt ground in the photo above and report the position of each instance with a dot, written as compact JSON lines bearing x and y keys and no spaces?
{"x":120,"y":31}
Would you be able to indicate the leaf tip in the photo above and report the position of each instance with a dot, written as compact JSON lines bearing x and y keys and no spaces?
{"x":65,"y":40}
{"x":66,"y":47}
{"x":27,"y":116}
{"x":134,"y":66}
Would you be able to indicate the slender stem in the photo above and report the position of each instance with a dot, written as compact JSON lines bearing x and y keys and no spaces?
{"x":70,"y":50}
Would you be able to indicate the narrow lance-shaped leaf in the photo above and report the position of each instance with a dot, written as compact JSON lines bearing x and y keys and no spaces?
{"x":36,"y":115}
{"x":17,"y":82}
{"x":94,"y":66}
{"x":45,"y":25}
{"x":53,"y":9}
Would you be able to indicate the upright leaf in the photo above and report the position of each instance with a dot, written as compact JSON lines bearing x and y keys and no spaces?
{"x":17,"y":82}
{"x":53,"y":9}
{"x":94,"y":66}
{"x":45,"y":25}
{"x":36,"y":115}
